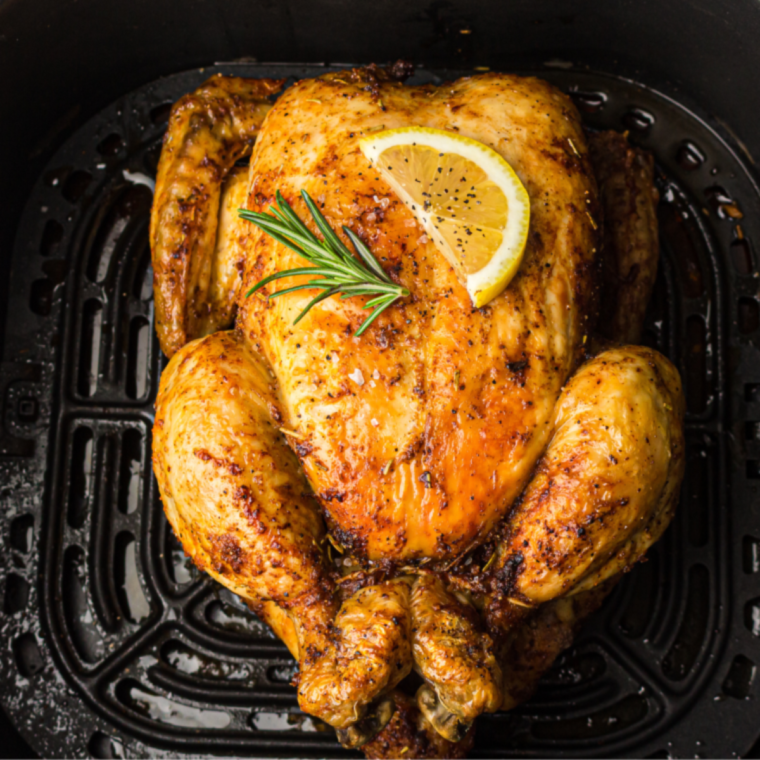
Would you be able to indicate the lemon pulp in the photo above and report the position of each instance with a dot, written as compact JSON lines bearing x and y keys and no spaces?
{"x":466,"y":196}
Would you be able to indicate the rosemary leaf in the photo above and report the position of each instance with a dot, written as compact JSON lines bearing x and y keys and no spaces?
{"x":337,"y":269}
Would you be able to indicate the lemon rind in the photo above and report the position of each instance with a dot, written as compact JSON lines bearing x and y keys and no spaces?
{"x":485,"y":284}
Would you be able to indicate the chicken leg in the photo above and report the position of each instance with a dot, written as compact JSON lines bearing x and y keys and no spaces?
{"x":454,"y":656}
{"x":601,"y":495}
{"x":236,"y":498}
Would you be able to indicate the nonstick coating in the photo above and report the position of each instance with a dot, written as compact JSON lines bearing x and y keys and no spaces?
{"x":101,"y":618}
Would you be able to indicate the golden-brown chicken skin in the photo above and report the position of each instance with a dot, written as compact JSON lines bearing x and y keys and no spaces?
{"x":410,"y":734}
{"x":606,"y":487}
{"x":485,"y":476}
{"x":236,"y":498}
{"x":209,"y":130}
{"x":417,"y":436}
{"x":454,"y":656}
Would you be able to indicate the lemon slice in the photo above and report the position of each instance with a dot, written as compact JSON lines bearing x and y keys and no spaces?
{"x":466,"y":196}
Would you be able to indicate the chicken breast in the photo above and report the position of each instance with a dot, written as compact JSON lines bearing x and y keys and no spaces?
{"x":419,"y":435}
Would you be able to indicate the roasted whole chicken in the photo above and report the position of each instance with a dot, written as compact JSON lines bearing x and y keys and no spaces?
{"x":425,"y":513}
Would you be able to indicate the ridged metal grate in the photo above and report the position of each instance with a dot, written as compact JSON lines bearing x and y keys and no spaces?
{"x":112,"y":644}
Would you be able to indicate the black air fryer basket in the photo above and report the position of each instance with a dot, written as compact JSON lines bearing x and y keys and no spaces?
{"x":111,"y":643}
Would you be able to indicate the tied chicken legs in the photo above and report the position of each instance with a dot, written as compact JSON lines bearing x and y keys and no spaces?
{"x":453,"y":491}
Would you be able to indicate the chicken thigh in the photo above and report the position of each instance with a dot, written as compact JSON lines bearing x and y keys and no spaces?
{"x":477,"y":479}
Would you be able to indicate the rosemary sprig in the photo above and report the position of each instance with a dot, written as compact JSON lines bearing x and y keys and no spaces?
{"x":334,"y":264}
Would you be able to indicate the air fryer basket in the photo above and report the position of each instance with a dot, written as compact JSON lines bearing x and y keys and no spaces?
{"x":111,"y":644}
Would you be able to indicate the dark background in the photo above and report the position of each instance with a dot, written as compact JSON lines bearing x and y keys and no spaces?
{"x":63,"y":60}
{"x":12,"y":745}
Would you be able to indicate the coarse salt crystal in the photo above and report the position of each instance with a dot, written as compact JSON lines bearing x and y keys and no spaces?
{"x":376,"y":375}
{"x":422,"y":239}
{"x":374,"y":422}
{"x":357,"y":377}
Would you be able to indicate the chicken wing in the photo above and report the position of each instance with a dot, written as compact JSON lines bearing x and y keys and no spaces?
{"x":209,"y":130}
{"x":630,"y":247}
